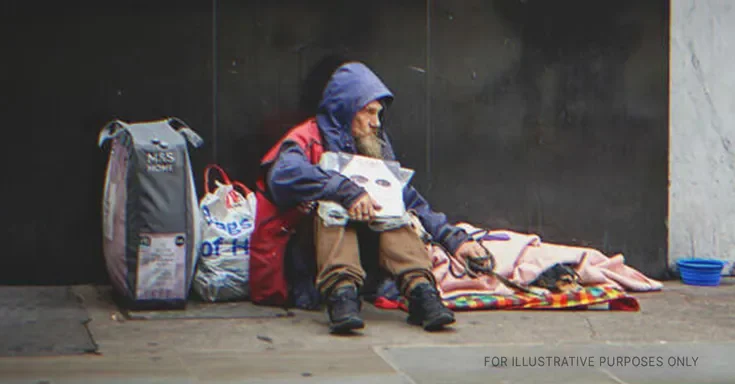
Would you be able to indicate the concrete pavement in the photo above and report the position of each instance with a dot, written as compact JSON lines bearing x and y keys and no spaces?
{"x":681,"y":335}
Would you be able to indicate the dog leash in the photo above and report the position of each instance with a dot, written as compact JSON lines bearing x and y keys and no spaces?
{"x":483,"y":265}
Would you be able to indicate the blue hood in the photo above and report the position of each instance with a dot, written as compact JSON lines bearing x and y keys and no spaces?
{"x":351,"y":87}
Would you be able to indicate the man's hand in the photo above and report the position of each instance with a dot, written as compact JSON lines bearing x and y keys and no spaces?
{"x":364,"y":208}
{"x":470,"y":249}
{"x":476,"y":257}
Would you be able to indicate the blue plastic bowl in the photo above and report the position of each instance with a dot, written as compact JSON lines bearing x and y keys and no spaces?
{"x":702,"y":272}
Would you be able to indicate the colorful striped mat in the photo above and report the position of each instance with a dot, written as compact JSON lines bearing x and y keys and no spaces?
{"x":600,"y":297}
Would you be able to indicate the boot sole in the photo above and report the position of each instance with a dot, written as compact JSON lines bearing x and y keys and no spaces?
{"x":434,"y":324}
{"x":346,"y":326}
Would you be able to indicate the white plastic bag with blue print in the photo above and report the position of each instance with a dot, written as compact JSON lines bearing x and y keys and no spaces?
{"x":228,"y":217}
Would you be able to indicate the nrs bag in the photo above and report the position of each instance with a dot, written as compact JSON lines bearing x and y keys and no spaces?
{"x":150,"y":216}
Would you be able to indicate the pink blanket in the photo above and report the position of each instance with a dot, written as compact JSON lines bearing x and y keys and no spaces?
{"x":523,"y":257}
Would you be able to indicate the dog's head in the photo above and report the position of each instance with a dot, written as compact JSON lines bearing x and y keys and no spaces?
{"x":568,"y":283}
{"x":559,"y":278}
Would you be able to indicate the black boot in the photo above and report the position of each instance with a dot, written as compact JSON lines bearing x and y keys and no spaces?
{"x":343,"y":307}
{"x":425,"y":308}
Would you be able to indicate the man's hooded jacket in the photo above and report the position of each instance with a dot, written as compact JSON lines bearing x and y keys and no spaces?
{"x":290,"y":178}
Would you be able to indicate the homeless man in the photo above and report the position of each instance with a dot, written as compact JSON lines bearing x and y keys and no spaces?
{"x":291,"y":183}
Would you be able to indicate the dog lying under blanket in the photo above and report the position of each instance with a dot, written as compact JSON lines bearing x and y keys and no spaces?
{"x":560,"y":278}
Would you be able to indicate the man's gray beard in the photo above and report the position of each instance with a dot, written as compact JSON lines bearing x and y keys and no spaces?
{"x":370,"y":145}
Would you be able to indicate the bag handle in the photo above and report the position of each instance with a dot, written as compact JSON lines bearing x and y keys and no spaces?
{"x":183,"y":129}
{"x":219,"y":169}
{"x":243,"y":187}
{"x":114,"y":127}
{"x":110,"y":131}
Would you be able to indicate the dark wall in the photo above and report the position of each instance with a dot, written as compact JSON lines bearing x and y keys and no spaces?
{"x":71,"y":68}
{"x":538,"y":116}
{"x":552,"y":118}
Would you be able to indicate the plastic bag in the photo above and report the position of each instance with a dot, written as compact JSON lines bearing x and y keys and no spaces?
{"x":228,"y":219}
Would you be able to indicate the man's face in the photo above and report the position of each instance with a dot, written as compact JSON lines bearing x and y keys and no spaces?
{"x":367,"y":121}
{"x":365,"y":127}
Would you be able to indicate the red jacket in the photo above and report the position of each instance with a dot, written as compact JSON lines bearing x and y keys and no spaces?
{"x":273,"y":227}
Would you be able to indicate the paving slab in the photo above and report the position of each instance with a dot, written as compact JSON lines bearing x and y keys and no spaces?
{"x":684,"y":363}
{"x":42,"y":321}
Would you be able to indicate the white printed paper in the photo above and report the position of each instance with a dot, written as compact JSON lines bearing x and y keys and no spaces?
{"x":161,"y":266}
{"x":379,"y":182}
{"x":383,"y":180}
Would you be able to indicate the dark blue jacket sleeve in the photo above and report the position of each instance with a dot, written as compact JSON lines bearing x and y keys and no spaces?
{"x":292,"y":179}
{"x":449,"y":236}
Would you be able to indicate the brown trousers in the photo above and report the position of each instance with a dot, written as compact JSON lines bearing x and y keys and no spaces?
{"x":400,"y":253}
